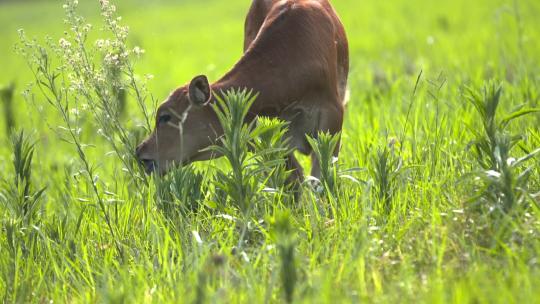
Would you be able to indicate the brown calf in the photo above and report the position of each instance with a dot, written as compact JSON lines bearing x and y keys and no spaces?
{"x":295,"y":56}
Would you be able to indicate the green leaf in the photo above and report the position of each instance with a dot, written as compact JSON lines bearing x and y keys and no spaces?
{"x":526,"y":157}
{"x":506,"y":120}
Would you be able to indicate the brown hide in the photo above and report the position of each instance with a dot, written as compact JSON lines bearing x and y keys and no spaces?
{"x":295,"y":57}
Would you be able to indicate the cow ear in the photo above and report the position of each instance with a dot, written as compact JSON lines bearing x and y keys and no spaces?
{"x":199,"y":91}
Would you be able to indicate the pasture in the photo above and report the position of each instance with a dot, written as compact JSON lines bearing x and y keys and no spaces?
{"x":434,"y":199}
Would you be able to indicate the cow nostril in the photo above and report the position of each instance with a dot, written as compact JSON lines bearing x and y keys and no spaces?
{"x":146,"y":161}
{"x":148,"y":164}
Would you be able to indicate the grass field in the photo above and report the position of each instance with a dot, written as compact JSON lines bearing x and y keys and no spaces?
{"x":435,"y":201}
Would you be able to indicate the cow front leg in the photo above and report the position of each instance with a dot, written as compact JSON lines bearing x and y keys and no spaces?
{"x":295,"y":169}
{"x":296,"y":177}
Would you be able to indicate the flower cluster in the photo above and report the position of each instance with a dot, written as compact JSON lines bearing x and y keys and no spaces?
{"x":92,"y":80}
{"x":114,"y":50}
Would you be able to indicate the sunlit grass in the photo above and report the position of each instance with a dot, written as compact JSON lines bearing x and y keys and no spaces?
{"x":434,"y":198}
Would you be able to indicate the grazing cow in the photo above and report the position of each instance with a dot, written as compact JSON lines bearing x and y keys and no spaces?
{"x":295,"y":56}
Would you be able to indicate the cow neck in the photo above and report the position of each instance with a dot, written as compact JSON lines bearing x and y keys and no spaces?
{"x":228,"y":82}
{"x":251,"y":72}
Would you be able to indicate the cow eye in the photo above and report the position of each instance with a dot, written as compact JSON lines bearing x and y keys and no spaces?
{"x":165,"y":118}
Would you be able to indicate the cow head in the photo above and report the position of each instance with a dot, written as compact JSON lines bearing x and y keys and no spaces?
{"x":185,"y":125}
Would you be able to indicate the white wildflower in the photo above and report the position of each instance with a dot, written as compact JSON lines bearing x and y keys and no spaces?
{"x":138,"y":51}
{"x":64,"y":43}
{"x":511,"y":161}
{"x":112,"y":59}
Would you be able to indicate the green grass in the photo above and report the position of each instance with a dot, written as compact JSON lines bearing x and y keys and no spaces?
{"x":410,"y":216}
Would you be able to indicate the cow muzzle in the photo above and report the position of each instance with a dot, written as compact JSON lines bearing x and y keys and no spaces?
{"x":149,"y":164}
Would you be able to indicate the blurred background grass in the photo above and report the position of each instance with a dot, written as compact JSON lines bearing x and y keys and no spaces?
{"x":461,"y":38}
{"x":454,"y":43}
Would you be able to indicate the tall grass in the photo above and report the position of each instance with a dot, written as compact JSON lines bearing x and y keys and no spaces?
{"x":283,"y":235}
{"x":427,"y":218}
{"x":255,"y":152}
{"x":504,"y":192}
{"x":386,"y":170}
{"x":324,"y":147}
{"x":22,"y":203}
{"x":6,"y":96}
{"x":20,"y":198}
